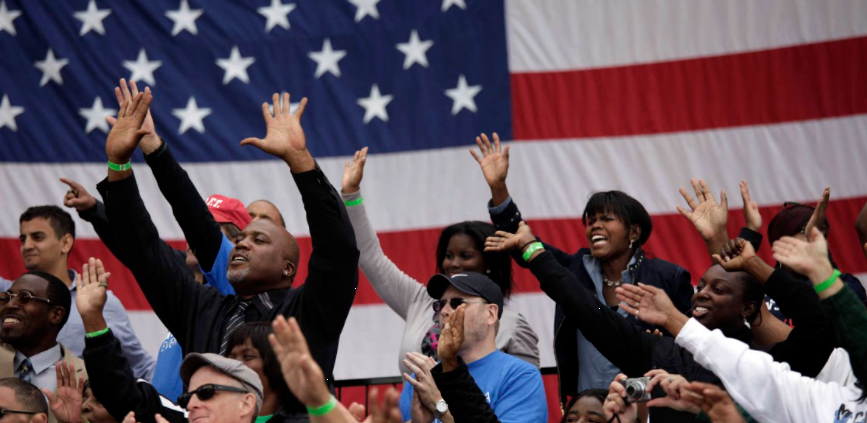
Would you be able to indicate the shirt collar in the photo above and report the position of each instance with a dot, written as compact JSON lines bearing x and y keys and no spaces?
{"x":42,"y":361}
{"x":73,"y":276}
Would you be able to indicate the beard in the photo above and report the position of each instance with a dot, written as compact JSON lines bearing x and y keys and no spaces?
{"x":237,"y":276}
{"x":475,"y":330}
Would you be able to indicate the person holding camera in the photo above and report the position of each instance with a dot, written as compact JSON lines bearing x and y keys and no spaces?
{"x":728,"y":298}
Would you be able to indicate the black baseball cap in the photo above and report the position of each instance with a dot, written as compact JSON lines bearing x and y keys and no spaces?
{"x":471,"y":283}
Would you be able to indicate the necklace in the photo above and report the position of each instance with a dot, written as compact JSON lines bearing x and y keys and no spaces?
{"x":611,"y":283}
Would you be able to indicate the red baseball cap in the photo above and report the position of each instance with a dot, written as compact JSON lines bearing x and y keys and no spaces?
{"x":229,"y":210}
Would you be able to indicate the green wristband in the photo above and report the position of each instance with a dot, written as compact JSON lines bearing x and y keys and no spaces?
{"x":828,"y":282}
{"x":355,"y":202}
{"x":324,"y":409}
{"x":97,"y":333}
{"x":120,"y":167}
{"x":536,"y":246}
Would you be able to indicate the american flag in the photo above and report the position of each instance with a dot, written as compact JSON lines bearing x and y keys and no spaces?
{"x":631,"y":95}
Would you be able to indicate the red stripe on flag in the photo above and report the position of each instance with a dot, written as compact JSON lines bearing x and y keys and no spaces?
{"x":673,"y":239}
{"x":804,"y":82}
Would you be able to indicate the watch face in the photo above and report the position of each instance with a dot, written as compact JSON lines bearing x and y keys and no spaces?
{"x":442,"y":407}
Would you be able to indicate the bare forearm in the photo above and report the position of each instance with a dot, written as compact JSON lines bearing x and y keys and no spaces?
{"x":758,"y":269}
{"x":93,"y":322}
{"x":499,"y":193}
{"x":300,"y":161}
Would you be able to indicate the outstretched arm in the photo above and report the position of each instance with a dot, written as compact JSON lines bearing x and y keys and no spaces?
{"x":621,"y":342}
{"x":111,"y":376}
{"x":333,"y":266}
{"x":708,"y":216}
{"x":395,"y":287}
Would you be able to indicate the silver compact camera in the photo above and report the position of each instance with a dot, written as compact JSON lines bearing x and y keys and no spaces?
{"x":636,"y":390}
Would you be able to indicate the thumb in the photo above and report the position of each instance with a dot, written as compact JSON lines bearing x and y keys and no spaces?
{"x":814,"y":235}
{"x":111,"y":120}
{"x":256,"y":142}
{"x":724,"y":200}
{"x":50,"y":395}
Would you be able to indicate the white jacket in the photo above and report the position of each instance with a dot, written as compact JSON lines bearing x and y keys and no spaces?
{"x":767,"y":390}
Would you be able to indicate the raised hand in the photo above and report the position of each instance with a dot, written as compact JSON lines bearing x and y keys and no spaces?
{"x":302,"y":373}
{"x":66,"y":403}
{"x":648,"y":303}
{"x":708,"y":216}
{"x":127,"y":131}
{"x":353,"y":171}
{"x":817,"y":220}
{"x":735,"y":255}
{"x":77,"y":197}
{"x":615,"y":402}
{"x":93,"y":284}
{"x":809,"y":258}
{"x":713,"y":400}
{"x":451,"y":339}
{"x":150,"y":142}
{"x":504,"y":241}
{"x":285,"y":139}
{"x":130,"y":418}
{"x":751,"y":210}
{"x":494,"y":162}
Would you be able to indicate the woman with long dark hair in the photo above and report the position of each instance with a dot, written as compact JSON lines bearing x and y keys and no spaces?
{"x":460,"y":249}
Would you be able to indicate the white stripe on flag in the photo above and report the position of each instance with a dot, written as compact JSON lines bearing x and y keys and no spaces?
{"x":552,"y":35}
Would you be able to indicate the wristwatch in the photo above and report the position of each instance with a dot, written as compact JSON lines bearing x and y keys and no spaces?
{"x":441,"y":408}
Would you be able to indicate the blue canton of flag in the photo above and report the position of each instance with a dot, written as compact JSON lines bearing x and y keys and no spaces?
{"x":396,"y":75}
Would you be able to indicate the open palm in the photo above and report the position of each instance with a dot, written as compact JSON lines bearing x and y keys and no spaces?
{"x":494,"y":160}
{"x":648,"y":303}
{"x":708,"y":216}
{"x":284,"y":135}
{"x":127,"y":131}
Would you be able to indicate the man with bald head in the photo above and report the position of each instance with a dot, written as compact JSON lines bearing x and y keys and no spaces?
{"x":264,"y":209}
{"x":263,"y":264}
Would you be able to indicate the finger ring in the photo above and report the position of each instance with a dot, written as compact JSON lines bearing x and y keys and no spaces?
{"x":103,"y":284}
{"x":669,"y":380}
{"x":636,"y":312}
{"x":70,"y":192}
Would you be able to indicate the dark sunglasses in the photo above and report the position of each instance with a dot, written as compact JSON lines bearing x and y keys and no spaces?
{"x":206,"y":392}
{"x":454,"y":302}
{"x":3,"y":412}
{"x":23,"y":297}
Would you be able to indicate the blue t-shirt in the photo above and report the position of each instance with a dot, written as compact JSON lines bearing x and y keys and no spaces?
{"x":512,"y":387}
{"x":167,"y":378}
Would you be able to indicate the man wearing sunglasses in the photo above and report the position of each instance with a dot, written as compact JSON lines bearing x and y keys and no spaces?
{"x":32,"y":313}
{"x":512,"y":387}
{"x":219,"y":390}
{"x":21,"y":402}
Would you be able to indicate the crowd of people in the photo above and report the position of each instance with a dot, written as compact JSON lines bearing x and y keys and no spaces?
{"x":634,"y":341}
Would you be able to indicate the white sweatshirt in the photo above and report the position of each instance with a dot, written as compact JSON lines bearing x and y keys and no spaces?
{"x":767,"y":390}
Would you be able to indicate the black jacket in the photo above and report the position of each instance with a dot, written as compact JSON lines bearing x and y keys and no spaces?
{"x":635,"y":352}
{"x":198,"y":315}
{"x":669,"y":277}
{"x":115,"y":386}
{"x":467,"y":403}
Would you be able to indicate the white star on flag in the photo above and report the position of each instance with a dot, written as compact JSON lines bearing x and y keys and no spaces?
{"x":449,"y":3}
{"x":92,"y":19}
{"x":365,"y":8}
{"x":184,"y":18}
{"x":235,"y":66}
{"x":8,"y":113}
{"x":96,"y":116}
{"x":277,"y":14}
{"x":191,"y":117}
{"x":6,"y":18}
{"x":415,"y":50}
{"x":50,"y":68}
{"x":143,"y":69}
{"x":463,"y":96}
{"x":326,"y":59}
{"x":374,"y":106}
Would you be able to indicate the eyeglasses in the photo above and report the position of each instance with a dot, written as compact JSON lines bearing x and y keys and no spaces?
{"x":3,"y":412}
{"x":23,"y":297}
{"x":206,"y":392}
{"x":454,"y":302}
